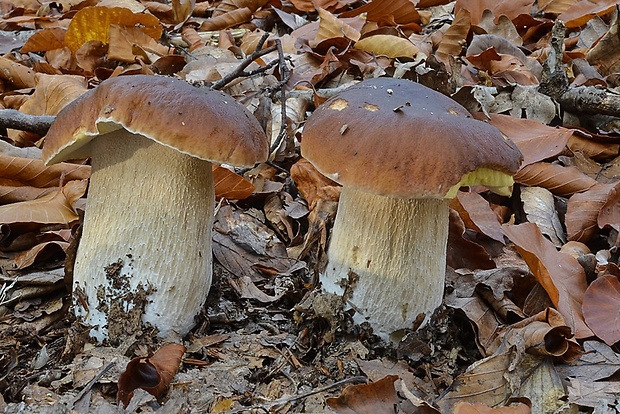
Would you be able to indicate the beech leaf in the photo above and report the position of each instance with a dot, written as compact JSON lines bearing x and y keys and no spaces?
{"x":601,"y":308}
{"x":560,"y":274}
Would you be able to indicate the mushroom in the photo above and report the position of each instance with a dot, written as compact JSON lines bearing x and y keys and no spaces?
{"x":145,"y":251}
{"x":400,"y":150}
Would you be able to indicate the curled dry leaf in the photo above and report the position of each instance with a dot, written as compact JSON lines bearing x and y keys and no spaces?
{"x":582,"y":11}
{"x":313,"y":185}
{"x":560,"y":180}
{"x":462,"y":252}
{"x":401,"y":12}
{"x":601,"y":308}
{"x":372,"y":398}
{"x":331,"y":27}
{"x":583,"y":212}
{"x":477,"y":215}
{"x":39,"y":253}
{"x":560,"y":274}
{"x":509,"y":8}
{"x":226,"y":20}
{"x":16,"y":75}
{"x":152,"y":374}
{"x":451,"y":43}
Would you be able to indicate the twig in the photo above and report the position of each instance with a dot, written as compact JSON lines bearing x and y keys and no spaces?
{"x":239,"y":71}
{"x":12,"y":118}
{"x":285,"y":75}
{"x":91,"y":383}
{"x":292,"y":398}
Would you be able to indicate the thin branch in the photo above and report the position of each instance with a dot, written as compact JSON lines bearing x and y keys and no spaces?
{"x":292,"y":398}
{"x":12,"y":118}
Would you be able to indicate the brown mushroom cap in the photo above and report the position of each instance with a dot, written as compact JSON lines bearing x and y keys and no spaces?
{"x":209,"y":125}
{"x":399,"y":138}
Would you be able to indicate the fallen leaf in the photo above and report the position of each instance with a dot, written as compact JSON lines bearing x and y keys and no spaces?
{"x":226,"y":20}
{"x":560,"y":274}
{"x":539,"y":208}
{"x":152,"y":374}
{"x":372,"y":398}
{"x":331,"y":26}
{"x":44,"y":40}
{"x":601,"y":308}
{"x":477,"y":214}
{"x":387,"y":45}
{"x":229,"y":185}
{"x":609,"y":214}
{"x":479,"y":408}
{"x":93,"y":23}
{"x":583,"y":211}
{"x":451,"y":43}
{"x":558,"y":179}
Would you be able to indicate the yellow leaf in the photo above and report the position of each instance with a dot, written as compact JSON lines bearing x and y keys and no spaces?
{"x":93,"y":23}
{"x":387,"y":45}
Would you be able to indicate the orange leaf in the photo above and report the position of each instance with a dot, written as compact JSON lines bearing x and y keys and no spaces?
{"x":610,"y":212}
{"x":230,"y":185}
{"x":451,"y":43}
{"x":479,"y":216}
{"x":560,"y":274}
{"x":392,"y":12}
{"x":582,"y":11}
{"x":93,"y":23}
{"x":330,"y":26}
{"x":601,"y":308}
{"x":509,"y":8}
{"x":44,"y":40}
{"x":559,"y":180}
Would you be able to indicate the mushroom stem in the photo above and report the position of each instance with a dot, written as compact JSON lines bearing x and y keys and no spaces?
{"x":387,"y":257}
{"x":145,"y":252}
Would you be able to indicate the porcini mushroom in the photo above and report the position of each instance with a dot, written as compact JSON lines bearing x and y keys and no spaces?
{"x":146,"y":240}
{"x":400,"y":150}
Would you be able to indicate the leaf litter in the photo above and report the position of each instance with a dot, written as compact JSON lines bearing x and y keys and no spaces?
{"x":524,"y":327}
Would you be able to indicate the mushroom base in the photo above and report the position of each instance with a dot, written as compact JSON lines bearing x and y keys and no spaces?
{"x":145,"y":253}
{"x":387,"y":257}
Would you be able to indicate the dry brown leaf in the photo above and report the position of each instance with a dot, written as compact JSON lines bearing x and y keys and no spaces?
{"x":462,"y":252}
{"x":230,"y":185}
{"x":509,"y":8}
{"x":610,"y":211}
{"x":539,"y":208}
{"x":12,"y":194}
{"x":604,"y":53}
{"x":479,"y":408}
{"x":555,"y":6}
{"x":453,"y":39}
{"x":601,"y":303}
{"x":477,"y":215}
{"x":563,"y":181}
{"x":583,"y":211}
{"x":560,"y":274}
{"x":127,"y":43}
{"x":387,"y":12}
{"x":39,"y":253}
{"x":603,"y":173}
{"x":226,"y":20}
{"x":34,"y":172}
{"x":53,"y":93}
{"x":16,"y":75}
{"x":581,"y":142}
{"x":93,"y":23}
{"x":582,"y":11}
{"x":535,"y":140}
{"x":52,"y":208}
{"x":330,"y":27}
{"x":372,"y":398}
{"x":44,"y":40}
{"x":182,"y":10}
{"x":387,"y":45}
{"x":152,"y":374}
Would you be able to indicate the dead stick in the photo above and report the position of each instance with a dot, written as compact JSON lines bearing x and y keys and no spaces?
{"x":12,"y":118}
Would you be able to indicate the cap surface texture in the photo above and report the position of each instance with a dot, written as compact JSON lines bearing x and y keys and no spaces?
{"x":206,"y":124}
{"x":399,"y":138}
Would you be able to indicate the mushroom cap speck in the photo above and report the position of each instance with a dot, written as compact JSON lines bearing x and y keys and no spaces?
{"x":398,"y":138}
{"x":206,"y":124}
